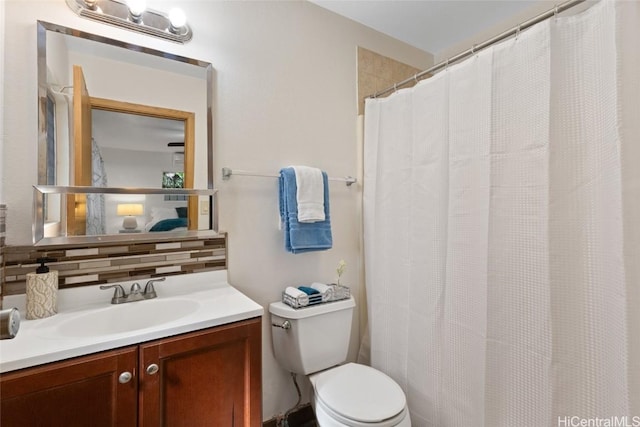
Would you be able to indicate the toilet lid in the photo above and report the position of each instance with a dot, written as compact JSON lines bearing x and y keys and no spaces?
{"x":360,"y":393}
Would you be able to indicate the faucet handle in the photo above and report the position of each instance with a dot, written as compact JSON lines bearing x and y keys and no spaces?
{"x":118,"y":294}
{"x":149,"y":290}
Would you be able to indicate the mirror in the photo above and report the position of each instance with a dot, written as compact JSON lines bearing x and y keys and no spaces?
{"x":135,"y":118}
{"x":167,"y":220}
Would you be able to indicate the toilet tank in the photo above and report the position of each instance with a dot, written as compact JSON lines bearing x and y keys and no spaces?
{"x":318,"y":337}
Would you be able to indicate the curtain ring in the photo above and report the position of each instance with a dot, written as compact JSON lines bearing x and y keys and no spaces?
{"x":555,"y":12}
{"x":415,"y":77}
{"x":395,"y":87}
{"x":518,"y":32}
{"x":446,"y":65}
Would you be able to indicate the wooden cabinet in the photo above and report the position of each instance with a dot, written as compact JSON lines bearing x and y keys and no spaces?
{"x":205,"y":378}
{"x":79,"y":392}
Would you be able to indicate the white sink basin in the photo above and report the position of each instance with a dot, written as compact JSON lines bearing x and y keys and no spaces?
{"x":127,"y":317}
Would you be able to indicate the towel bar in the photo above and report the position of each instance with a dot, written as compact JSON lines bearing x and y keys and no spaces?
{"x":227,"y":172}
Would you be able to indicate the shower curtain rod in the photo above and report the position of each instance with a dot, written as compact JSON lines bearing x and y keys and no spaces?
{"x":477,"y":47}
{"x":228,"y":172}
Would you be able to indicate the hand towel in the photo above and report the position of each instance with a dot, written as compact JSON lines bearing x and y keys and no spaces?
{"x":309,"y":194}
{"x":301,"y":298}
{"x":325,"y":290}
{"x":302,"y":237}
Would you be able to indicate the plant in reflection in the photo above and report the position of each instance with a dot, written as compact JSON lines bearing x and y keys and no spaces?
{"x":173,"y":180}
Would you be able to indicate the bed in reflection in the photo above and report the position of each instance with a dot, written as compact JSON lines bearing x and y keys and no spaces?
{"x":167,"y":219}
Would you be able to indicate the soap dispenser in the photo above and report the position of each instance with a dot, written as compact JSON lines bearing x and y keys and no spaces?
{"x":42,"y":291}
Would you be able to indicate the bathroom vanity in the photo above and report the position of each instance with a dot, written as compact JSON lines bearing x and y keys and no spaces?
{"x":202,"y":368}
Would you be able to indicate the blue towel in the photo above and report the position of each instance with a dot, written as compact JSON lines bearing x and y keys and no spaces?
{"x":302,"y":237}
{"x":309,"y":291}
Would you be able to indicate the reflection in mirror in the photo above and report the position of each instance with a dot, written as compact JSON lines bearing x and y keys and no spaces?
{"x":138,"y":114}
{"x":136,"y":150}
{"x":131,"y":213}
{"x":138,"y":146}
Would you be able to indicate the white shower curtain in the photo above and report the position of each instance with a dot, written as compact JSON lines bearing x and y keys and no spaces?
{"x":502,"y":230}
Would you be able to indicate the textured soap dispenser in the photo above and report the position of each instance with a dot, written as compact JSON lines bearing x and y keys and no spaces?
{"x":42,"y":291}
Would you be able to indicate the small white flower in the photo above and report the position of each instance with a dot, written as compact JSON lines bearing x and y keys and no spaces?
{"x":342,"y":265}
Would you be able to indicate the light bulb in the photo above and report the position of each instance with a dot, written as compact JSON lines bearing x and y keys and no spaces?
{"x":177,"y":19}
{"x":136,"y":8}
{"x":91,"y":4}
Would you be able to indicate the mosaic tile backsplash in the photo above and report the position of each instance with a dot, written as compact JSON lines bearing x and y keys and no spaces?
{"x":80,"y":265}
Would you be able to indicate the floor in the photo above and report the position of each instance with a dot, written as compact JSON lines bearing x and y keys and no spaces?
{"x":302,"y":417}
{"x":297,"y":424}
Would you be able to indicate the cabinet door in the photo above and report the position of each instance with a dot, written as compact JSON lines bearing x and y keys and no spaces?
{"x":84,"y":391}
{"x":206,"y":378}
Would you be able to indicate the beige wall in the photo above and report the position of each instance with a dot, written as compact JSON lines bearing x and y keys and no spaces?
{"x":285,"y":93}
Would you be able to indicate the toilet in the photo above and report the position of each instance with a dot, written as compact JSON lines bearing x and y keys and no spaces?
{"x":314,"y":341}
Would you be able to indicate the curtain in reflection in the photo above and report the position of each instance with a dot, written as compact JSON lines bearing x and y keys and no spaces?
{"x":96,"y":221}
{"x":502,"y":246}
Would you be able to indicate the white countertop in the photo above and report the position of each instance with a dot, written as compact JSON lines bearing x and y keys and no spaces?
{"x":214,"y":300}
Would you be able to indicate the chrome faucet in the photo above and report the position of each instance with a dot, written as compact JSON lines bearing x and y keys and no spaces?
{"x":135,"y":293}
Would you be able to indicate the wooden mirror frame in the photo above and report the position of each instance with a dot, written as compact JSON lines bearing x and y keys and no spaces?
{"x":81,"y":151}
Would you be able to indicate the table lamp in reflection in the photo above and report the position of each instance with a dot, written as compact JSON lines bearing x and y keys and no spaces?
{"x":129,"y":211}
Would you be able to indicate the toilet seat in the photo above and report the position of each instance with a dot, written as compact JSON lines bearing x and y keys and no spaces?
{"x":358,"y":395}
{"x":326,"y":417}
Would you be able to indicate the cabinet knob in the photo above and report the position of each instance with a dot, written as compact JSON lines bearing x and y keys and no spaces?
{"x":152,"y":369}
{"x":125,"y":377}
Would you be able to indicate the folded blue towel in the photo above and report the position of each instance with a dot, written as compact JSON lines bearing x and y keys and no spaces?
{"x":309,"y":291}
{"x":302,"y":237}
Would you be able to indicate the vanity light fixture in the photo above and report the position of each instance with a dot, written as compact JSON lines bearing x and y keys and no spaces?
{"x":134,"y":15}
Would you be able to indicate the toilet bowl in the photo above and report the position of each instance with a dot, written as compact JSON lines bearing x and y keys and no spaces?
{"x":314,"y":341}
{"x":354,"y":395}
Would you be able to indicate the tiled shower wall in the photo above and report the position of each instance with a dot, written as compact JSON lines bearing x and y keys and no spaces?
{"x":377,"y":72}
{"x":81,"y":265}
